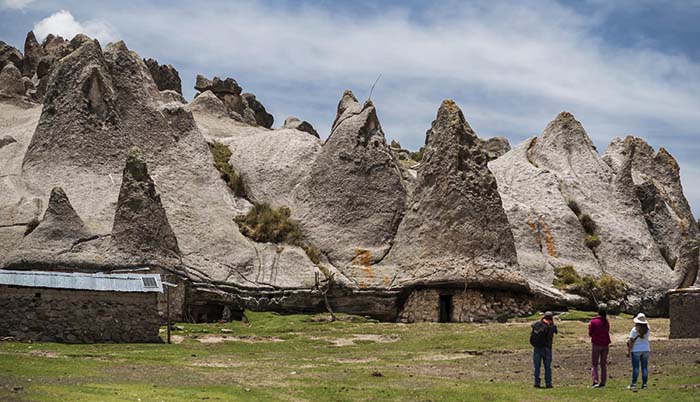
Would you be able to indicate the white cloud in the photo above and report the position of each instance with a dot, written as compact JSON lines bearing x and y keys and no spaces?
{"x":64,"y":24}
{"x":15,"y":4}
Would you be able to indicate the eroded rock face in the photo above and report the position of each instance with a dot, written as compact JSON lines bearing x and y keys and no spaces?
{"x":301,"y":125}
{"x":240,"y":106}
{"x":140,"y":222}
{"x":496,"y":147}
{"x":355,"y":198}
{"x":165,"y":76}
{"x":455,"y":227}
{"x":656,"y":179}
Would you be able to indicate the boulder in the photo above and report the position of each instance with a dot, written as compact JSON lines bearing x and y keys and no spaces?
{"x":496,"y":147}
{"x":11,"y":83}
{"x":355,"y":198}
{"x":208,"y":103}
{"x":455,"y":227}
{"x":165,"y":76}
{"x":140,"y":223}
{"x":262,"y":118}
{"x":9,"y":55}
{"x":242,"y":107}
{"x":301,"y":125}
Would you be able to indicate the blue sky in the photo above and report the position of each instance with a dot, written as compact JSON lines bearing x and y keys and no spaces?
{"x":622,"y":67}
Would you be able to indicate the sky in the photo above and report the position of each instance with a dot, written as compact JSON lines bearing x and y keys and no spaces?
{"x":621,"y":67}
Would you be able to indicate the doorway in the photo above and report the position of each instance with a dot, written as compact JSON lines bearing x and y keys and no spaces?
{"x":445,"y":306}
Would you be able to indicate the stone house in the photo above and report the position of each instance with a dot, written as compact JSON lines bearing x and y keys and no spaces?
{"x":76,"y":307}
{"x":684,"y":312}
{"x":454,"y":304}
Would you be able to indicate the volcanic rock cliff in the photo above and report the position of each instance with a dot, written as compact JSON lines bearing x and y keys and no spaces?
{"x":111,"y":132}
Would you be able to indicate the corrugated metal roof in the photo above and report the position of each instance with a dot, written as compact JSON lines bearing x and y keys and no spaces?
{"x":83,"y":281}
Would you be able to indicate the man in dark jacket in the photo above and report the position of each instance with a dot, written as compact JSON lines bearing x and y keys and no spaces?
{"x":541,"y":339}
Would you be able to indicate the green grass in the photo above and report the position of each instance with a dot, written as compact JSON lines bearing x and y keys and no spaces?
{"x":294,"y":358}
{"x":222,"y":154}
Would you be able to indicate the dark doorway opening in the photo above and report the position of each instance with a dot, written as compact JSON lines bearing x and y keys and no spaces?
{"x":445,"y":308}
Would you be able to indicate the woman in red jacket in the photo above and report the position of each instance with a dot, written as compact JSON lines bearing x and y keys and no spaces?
{"x":599,"y":331}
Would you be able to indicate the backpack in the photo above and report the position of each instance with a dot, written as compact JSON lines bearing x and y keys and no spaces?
{"x":538,"y":336}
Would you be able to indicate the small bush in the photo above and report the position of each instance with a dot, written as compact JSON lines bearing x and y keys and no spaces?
{"x":269,"y":225}
{"x":221,"y":155}
{"x":592,"y":241}
{"x":588,"y":224}
{"x":418,"y":155}
{"x":566,"y":275}
{"x":573,"y":206}
{"x":605,"y":288}
{"x":266,"y":224}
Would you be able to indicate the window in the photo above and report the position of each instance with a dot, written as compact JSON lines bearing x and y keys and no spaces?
{"x":149,"y":282}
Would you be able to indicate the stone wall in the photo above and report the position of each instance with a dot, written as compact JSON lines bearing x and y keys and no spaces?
{"x":684,"y":311}
{"x":472,"y":305}
{"x":77,"y":316}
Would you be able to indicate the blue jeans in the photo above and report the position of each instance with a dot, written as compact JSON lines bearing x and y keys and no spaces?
{"x":539,"y":355}
{"x":637,"y":358}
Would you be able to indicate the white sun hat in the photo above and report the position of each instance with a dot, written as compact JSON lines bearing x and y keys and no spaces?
{"x":641,"y":319}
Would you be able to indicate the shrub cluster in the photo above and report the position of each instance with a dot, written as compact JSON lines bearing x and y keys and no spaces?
{"x":266,"y":224}
{"x":592,"y":240}
{"x":604,"y":288}
{"x":418,"y":155}
{"x":221,"y":155}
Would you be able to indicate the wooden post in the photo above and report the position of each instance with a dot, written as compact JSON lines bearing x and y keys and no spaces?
{"x":167,"y":309}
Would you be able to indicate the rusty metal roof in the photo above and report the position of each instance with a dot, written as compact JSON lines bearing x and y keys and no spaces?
{"x":104,"y":282}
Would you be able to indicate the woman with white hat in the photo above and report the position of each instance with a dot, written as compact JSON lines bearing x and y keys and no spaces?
{"x":638,"y":348}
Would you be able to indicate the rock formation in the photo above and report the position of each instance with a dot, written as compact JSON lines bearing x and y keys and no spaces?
{"x":140,"y":222}
{"x":165,"y":76}
{"x":11,"y":83}
{"x":48,"y":246}
{"x":656,"y":179}
{"x":474,"y":219}
{"x":242,"y":107}
{"x":455,"y":226}
{"x":301,"y":125}
{"x":355,"y":197}
{"x":548,"y":184}
{"x":9,"y":54}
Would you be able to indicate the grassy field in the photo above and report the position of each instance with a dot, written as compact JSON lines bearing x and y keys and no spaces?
{"x":305,"y":358}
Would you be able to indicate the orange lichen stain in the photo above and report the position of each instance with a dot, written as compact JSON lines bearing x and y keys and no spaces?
{"x":362,"y":257}
{"x":535,"y":232}
{"x":549,"y":240}
{"x":387,"y":281}
{"x":362,"y":284}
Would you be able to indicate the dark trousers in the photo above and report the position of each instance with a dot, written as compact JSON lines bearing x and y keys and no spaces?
{"x":599,"y":354}
{"x":540,"y":355}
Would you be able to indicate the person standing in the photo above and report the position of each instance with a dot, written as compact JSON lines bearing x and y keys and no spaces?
{"x":541,"y":339}
{"x":638,"y":348}
{"x":599,"y":332}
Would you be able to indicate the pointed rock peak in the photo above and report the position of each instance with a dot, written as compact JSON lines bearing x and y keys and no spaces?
{"x":30,"y":42}
{"x":348,"y":103}
{"x":60,"y":221}
{"x":136,"y":168}
{"x":664,"y":158}
{"x":80,"y":39}
{"x":563,"y":136}
{"x":140,"y":222}
{"x":450,"y":122}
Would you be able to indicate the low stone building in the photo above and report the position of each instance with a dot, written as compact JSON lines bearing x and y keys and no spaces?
{"x":684,"y":311}
{"x":79,"y":307}
{"x":463,"y":305}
